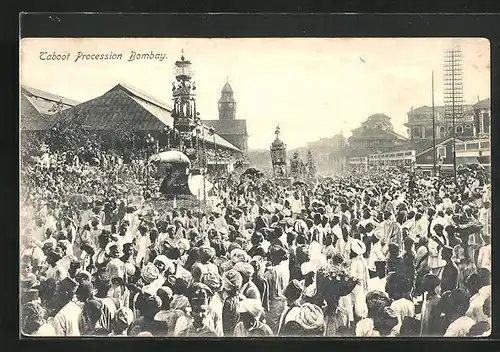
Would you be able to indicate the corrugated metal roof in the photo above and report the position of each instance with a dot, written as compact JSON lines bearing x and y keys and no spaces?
{"x":45,"y":107}
{"x":49,"y":96}
{"x":113,"y":109}
{"x":31,"y":119}
{"x":124,"y":105}
{"x":145,"y":97}
{"x":485,"y":103}
{"x":218,"y":139}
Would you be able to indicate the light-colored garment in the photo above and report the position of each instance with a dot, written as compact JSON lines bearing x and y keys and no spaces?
{"x":484,"y":257}
{"x":216,"y":305}
{"x":289,"y":314}
{"x":36,"y":254}
{"x":277,"y":278}
{"x":45,"y":330}
{"x":220,"y":225}
{"x":185,"y":323}
{"x":430,"y":315}
{"x":142,"y":246}
{"x":69,"y":320}
{"x":434,"y":261}
{"x":460,"y":327}
{"x":56,"y":272}
{"x":476,"y":302}
{"x":404,"y":308}
{"x":421,"y":227}
{"x":359,"y":270}
{"x":121,"y":294}
{"x":364,"y":328}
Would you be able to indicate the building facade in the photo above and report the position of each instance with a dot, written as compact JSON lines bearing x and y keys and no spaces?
{"x":474,"y":151}
{"x":376,"y":134}
{"x":482,"y":114}
{"x":419,"y":123}
{"x":228,"y":126}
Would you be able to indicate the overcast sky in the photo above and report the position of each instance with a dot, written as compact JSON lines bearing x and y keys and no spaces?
{"x":312,"y":87}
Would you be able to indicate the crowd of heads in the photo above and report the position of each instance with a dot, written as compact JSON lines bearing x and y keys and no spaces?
{"x":380,"y":254}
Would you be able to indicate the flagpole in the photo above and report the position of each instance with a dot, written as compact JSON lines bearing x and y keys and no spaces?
{"x":433,"y":129}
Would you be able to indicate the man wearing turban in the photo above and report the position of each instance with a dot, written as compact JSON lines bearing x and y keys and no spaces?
{"x":250,"y":311}
{"x":277,"y":277}
{"x":248,"y":289}
{"x":231,"y":284}
{"x":214,"y":282}
{"x":359,"y":269}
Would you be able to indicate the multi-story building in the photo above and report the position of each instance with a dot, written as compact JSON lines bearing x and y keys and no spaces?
{"x":376,"y":134}
{"x":482,"y":114}
{"x":420,"y":123}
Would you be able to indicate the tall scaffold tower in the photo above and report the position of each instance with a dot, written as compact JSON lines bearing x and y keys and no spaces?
{"x":453,"y":91}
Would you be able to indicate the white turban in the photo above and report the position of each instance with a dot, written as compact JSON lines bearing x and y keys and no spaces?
{"x":358,"y":247}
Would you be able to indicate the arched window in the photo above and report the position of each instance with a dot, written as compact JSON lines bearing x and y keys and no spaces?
{"x":468,"y":127}
{"x":442,"y":132}
{"x":459,"y":129}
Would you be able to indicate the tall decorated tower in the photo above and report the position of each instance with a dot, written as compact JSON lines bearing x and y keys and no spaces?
{"x":278,"y":156}
{"x":184,"y":108}
{"x":311,"y":166}
{"x":227,"y":103}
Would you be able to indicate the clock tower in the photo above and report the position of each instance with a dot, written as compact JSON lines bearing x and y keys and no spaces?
{"x":227,"y":103}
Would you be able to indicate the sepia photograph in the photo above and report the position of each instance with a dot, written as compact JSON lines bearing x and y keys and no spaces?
{"x":255,"y":187}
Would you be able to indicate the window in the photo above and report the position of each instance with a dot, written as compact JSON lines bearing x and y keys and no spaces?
{"x":441,"y":152}
{"x":459,"y":129}
{"x":468,"y":127}
{"x":442,"y":132}
{"x":416,"y":132}
{"x":460,"y":147}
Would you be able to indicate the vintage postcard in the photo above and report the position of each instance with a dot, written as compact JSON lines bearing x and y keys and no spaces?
{"x":271,"y":187}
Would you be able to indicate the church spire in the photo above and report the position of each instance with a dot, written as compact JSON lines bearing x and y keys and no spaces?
{"x":227,"y":103}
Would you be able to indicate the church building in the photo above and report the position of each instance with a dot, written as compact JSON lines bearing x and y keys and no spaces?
{"x":228,"y":126}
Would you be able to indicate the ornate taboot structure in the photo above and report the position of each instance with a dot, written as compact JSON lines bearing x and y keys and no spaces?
{"x":278,"y":156}
{"x":184,"y":102}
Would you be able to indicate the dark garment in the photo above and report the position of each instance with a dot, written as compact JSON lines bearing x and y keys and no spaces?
{"x":263,"y":288}
{"x":449,"y":277}
{"x":257,"y":250}
{"x":260,"y":223}
{"x":143,"y":324}
{"x":191,"y":331}
{"x":230,"y":315}
{"x":408,"y":266}
{"x":394,"y":265}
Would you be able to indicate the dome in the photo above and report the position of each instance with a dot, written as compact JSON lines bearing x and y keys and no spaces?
{"x":227,"y":88}
{"x":278,"y":143}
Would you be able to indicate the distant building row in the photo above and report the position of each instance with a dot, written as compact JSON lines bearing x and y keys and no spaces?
{"x":375,"y":144}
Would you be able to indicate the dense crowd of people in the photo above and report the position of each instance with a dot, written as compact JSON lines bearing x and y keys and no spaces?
{"x":379,"y":254}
